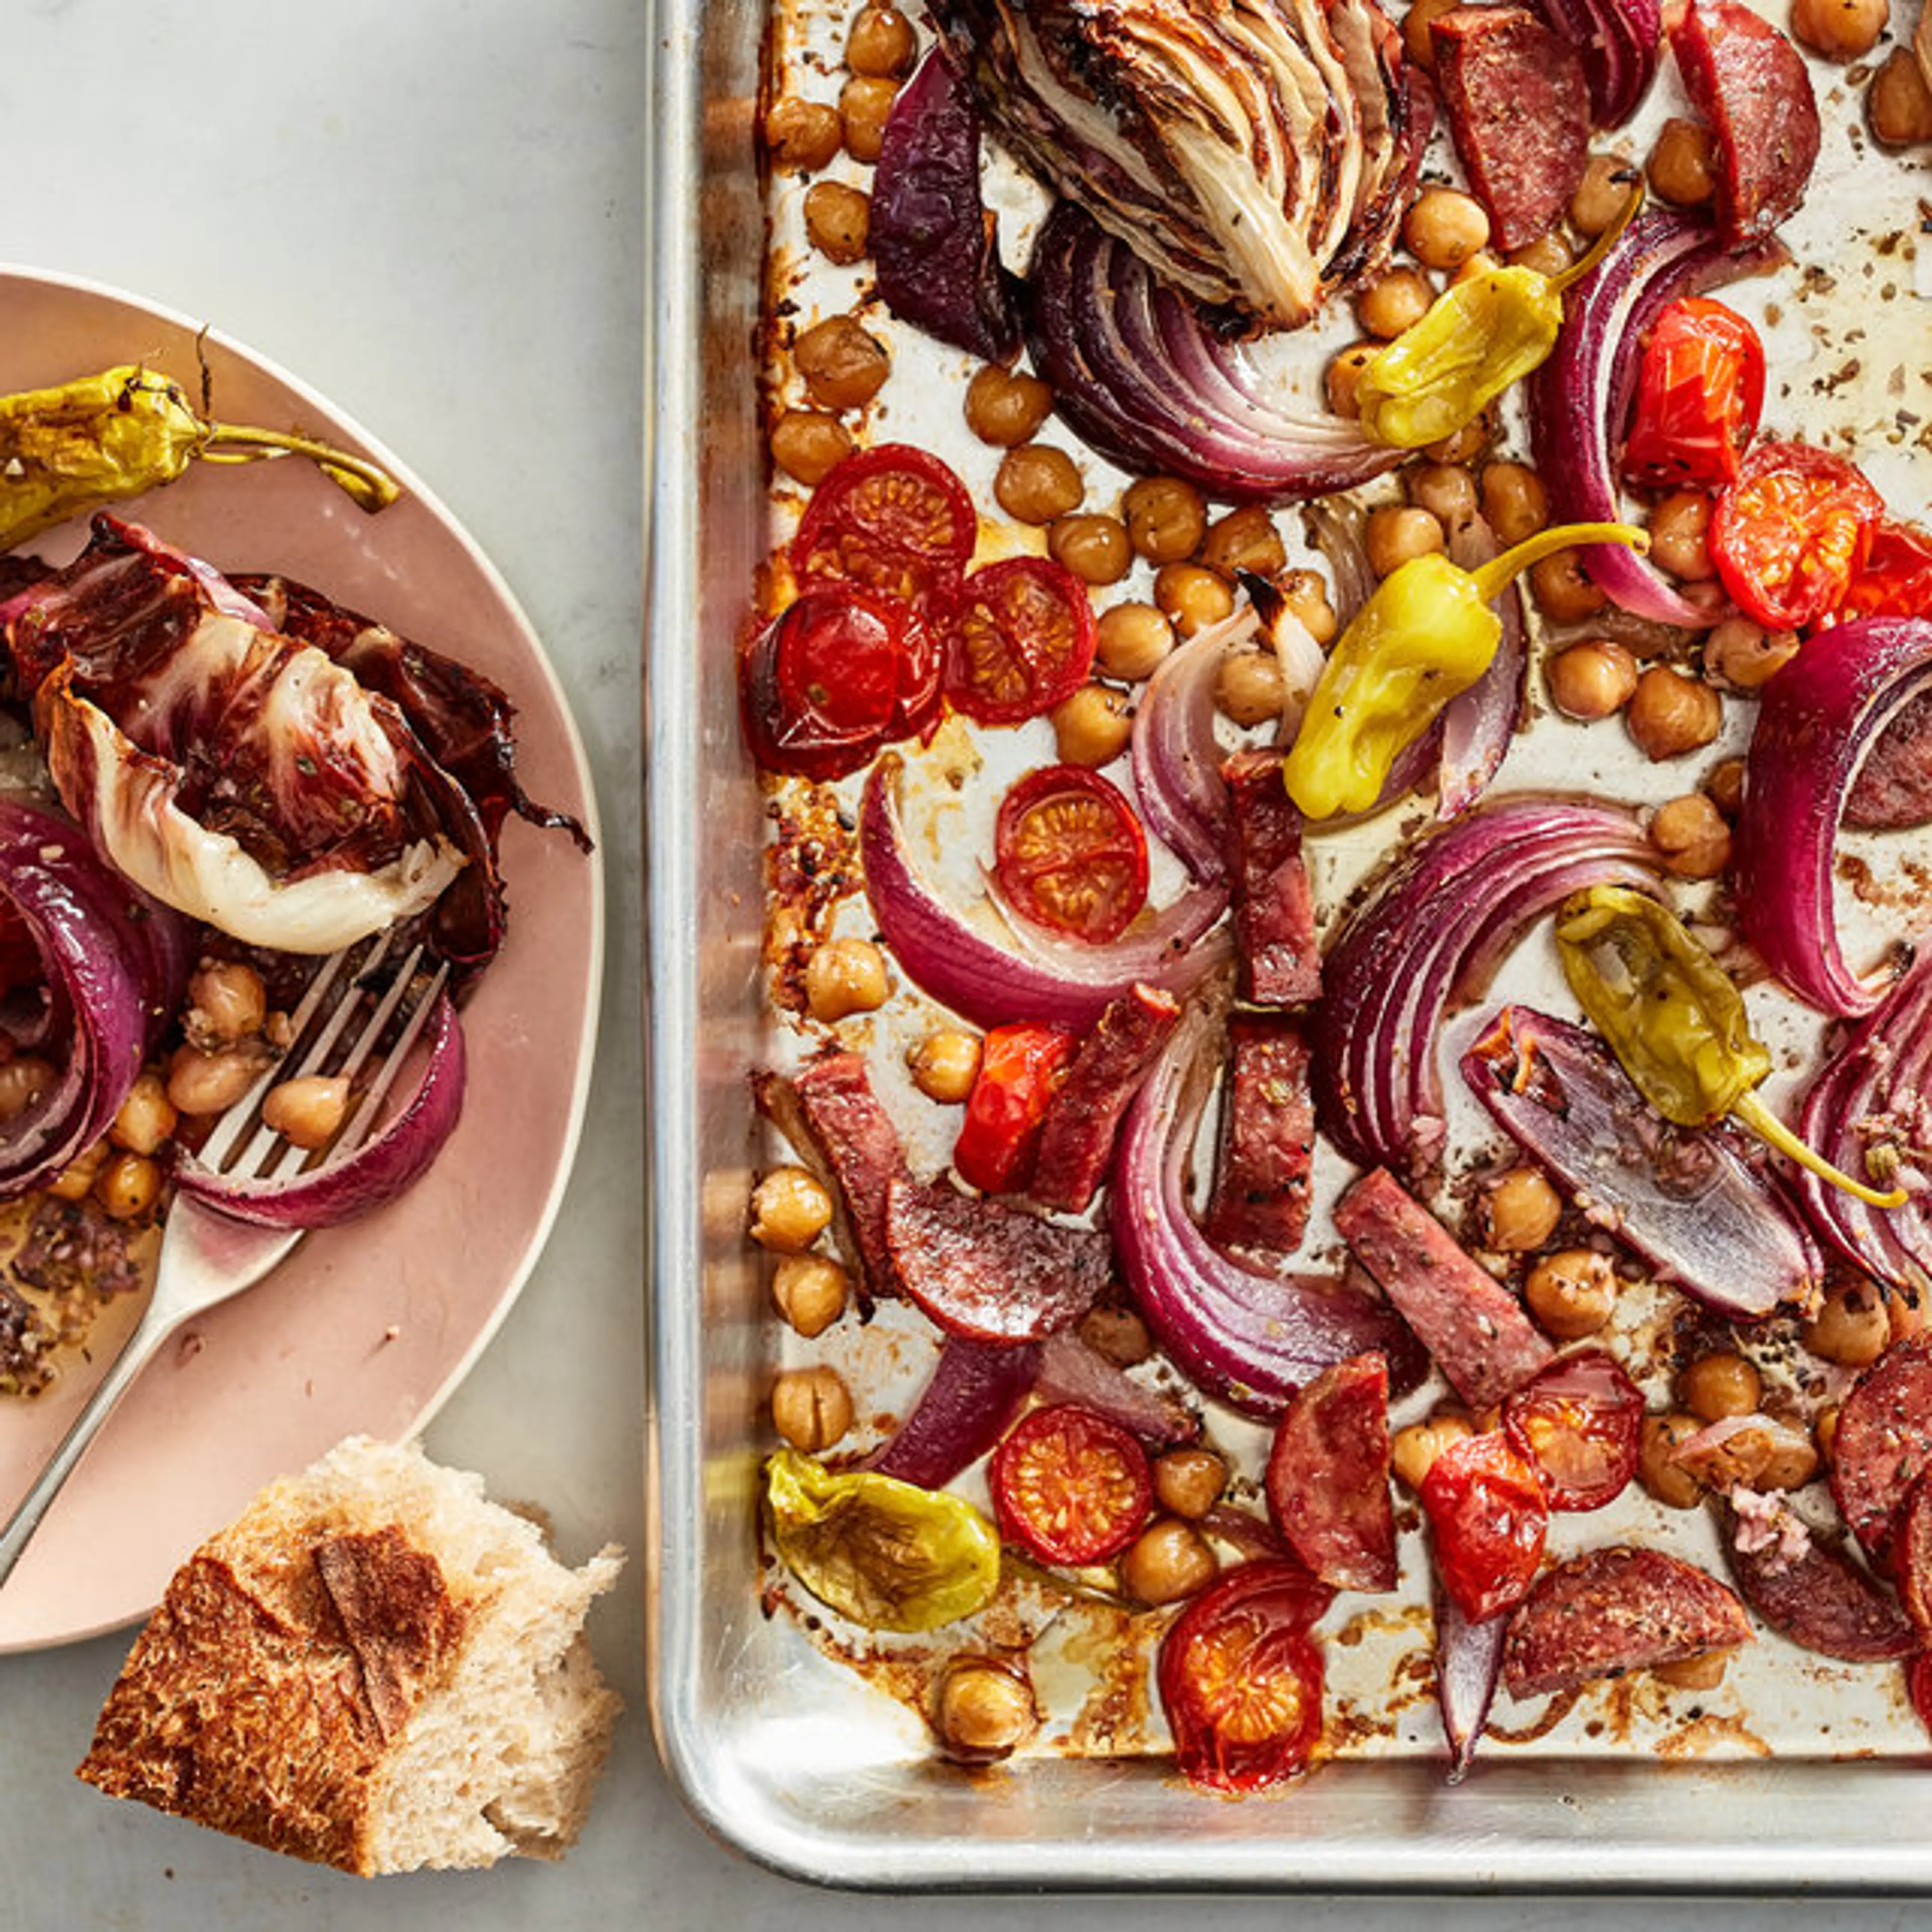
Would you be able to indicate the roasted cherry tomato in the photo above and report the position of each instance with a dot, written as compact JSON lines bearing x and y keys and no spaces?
{"x":1019,"y":1067}
{"x":1241,"y":1677}
{"x":1579,"y":1421}
{"x":1489,"y":1517}
{"x":1895,"y":580}
{"x":1023,"y":638}
{"x":1790,"y":535}
{"x":819,"y":687}
{"x":1070,"y":1487}
{"x":1069,"y":853}
{"x":897,"y":522}
{"x":1699,"y":392}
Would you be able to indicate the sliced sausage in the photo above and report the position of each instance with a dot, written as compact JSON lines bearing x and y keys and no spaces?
{"x":1807,"y":1591}
{"x":1911,"y":1558}
{"x":1893,"y":790}
{"x":1615,"y":1610}
{"x":1475,"y":1329}
{"x":994,"y":1273}
{"x":1280,"y":958}
{"x":1518,"y":107}
{"x":1267,"y":1146}
{"x":1327,"y":1479}
{"x":1884,"y":1442}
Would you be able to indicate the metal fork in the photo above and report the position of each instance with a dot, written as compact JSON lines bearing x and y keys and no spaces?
{"x":207,"y":1256}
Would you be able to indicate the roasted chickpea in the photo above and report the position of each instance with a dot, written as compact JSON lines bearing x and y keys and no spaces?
{"x":1851,"y":1326}
{"x":1465,"y":445}
{"x":1520,"y":1210}
{"x":1704,"y":1671}
{"x":1691,"y":834}
{"x":1683,"y":166}
{"x":226,"y":1002}
{"x":808,"y":445}
{"x":1898,"y":103}
{"x":1398,"y":533}
{"x":1825,"y":1432}
{"x":1188,"y":1482}
{"x":1093,"y":727}
{"x":1250,"y":688}
{"x":1725,"y":786}
{"x":1447,"y":491}
{"x":811,"y":1409}
{"x":128,"y":1185}
{"x":1788,"y":1460}
{"x":1244,"y":539}
{"x":1133,"y":641}
{"x":1392,"y":302}
{"x":1656,"y":1468}
{"x":1305,"y":596}
{"x":845,"y":976}
{"x":1515,"y":504}
{"x":865,"y":102}
{"x":1679,"y":536}
{"x":1592,"y":678}
{"x":75,"y":1180}
{"x":1602,"y":194}
{"x":1670,"y":714}
{"x":1571,"y":1294}
{"x":945,"y":1064}
{"x":1094,"y":548}
{"x":1413,"y":1451}
{"x":1744,"y":656}
{"x":1037,"y":483}
{"x":1192,"y":598}
{"x":23,"y":1079}
{"x":802,"y":134}
{"x":1841,"y":30}
{"x":1169,"y":1560}
{"x":1345,"y":372}
{"x":1562,"y":588}
{"x":837,"y":221}
{"x":842,"y":367}
{"x":1420,"y":42}
{"x":790,"y":1210}
{"x":201,"y":1083}
{"x":1548,"y":254}
{"x":1717,"y":1385}
{"x":881,"y":42}
{"x":983,"y":1710}
{"x":811,"y":1292}
{"x":1165,"y":518}
{"x":1005,"y":408}
{"x":1444,"y":227}
{"x":308,"y":1111}
{"x":1118,"y":1334}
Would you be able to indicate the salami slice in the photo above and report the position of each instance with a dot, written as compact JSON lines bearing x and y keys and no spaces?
{"x":1468,"y":1320}
{"x":1884,"y":1442}
{"x":1267,"y":1150}
{"x":1327,"y":1479}
{"x":1519,"y":111}
{"x":1615,"y":1610}
{"x":990,"y":1272}
{"x":1893,"y":790}
{"x":1911,"y":1558}
{"x":1808,"y":1592}
{"x":1280,"y":958}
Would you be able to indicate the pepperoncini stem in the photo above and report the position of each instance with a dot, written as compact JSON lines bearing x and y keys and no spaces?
{"x":1751,"y":1112}
{"x":1565,"y":278}
{"x":369,"y":487}
{"x":1493,"y":578}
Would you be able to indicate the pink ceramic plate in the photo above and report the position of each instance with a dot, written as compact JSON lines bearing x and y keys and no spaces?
{"x":368,"y":1327}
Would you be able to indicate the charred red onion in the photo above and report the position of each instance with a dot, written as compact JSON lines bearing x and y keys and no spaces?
{"x":1477,"y":726}
{"x":1071,"y":1370}
{"x":1622,"y":42}
{"x":975,"y":1390}
{"x":1469,"y":1667}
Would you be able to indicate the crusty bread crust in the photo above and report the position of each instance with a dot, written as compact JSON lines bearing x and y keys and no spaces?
{"x":308,"y":1681}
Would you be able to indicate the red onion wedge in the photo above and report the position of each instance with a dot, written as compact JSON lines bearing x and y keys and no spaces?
{"x":1622,"y":42}
{"x":1702,"y":1213}
{"x":1469,"y":1667}
{"x":391,"y":1161}
{"x":1433,"y":930}
{"x":1579,"y":399}
{"x":1820,"y":717}
{"x":1249,"y":1336}
{"x":1478,"y":725}
{"x":1072,"y":1370}
{"x":975,"y":1390}
{"x":1059,"y":981}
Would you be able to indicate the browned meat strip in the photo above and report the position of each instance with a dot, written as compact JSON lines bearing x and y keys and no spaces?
{"x":1274,"y":906}
{"x":1810,"y":1592}
{"x":1615,"y":1610}
{"x":1893,"y":790}
{"x":1884,"y":1442}
{"x":1468,"y":1320}
{"x":1327,"y":1479}
{"x":1260,"y":1196}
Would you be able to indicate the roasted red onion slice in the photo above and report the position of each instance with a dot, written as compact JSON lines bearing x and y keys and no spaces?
{"x":1478,"y":725}
{"x":1251,"y":1337}
{"x":1435,"y":927}
{"x":1622,"y":42}
{"x":975,"y":1389}
{"x":1072,"y":1370}
{"x":1063,"y":981}
{"x":1819,"y":716}
{"x":1469,"y":1667}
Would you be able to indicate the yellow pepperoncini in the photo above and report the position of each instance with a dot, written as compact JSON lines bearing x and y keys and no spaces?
{"x":1677,"y":1022}
{"x":1424,"y":636}
{"x":886,"y":1553}
{"x":126,"y":430}
{"x":1479,"y":336}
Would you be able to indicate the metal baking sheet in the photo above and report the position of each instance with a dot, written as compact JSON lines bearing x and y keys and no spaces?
{"x":799,"y":1762}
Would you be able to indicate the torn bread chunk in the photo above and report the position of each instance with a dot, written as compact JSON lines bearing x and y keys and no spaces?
{"x":375,"y":1667}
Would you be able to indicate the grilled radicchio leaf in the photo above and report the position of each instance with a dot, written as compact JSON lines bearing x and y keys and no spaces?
{"x":1254,"y":153}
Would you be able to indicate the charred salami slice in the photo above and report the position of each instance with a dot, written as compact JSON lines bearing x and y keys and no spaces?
{"x":1280,"y":959}
{"x":1615,"y":1610}
{"x":1808,"y":1592}
{"x":1884,"y":1442}
{"x":1468,"y":1320}
{"x":1267,"y":1150}
{"x":1327,"y":1481}
{"x":987,"y":1271}
{"x":1893,"y":790}
{"x":1912,"y":1559}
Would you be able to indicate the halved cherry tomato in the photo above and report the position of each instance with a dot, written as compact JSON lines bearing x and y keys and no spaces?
{"x":819,"y":685}
{"x":1020,"y":1066}
{"x":896,"y":521}
{"x":1579,"y":1421}
{"x":1699,"y":392}
{"x":1023,"y":638}
{"x":1489,"y":1517}
{"x":1071,"y":1486}
{"x":1069,"y":853}
{"x":1789,"y":535}
{"x":1895,"y":580}
{"x":1241,"y":1677}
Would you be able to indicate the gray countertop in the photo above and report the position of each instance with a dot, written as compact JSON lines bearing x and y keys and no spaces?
{"x":433,"y":212}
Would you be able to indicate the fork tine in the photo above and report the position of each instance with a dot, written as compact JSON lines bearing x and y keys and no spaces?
{"x":357,"y":1131}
